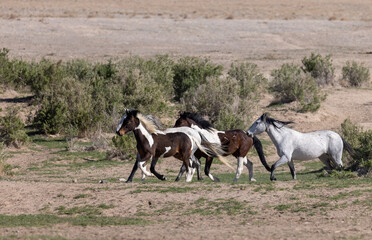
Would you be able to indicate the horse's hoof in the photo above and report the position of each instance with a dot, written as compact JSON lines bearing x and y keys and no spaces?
{"x":253,"y":180}
{"x":200,"y":179}
{"x":128,"y":181}
{"x":163,"y":178}
{"x":216,"y":179}
{"x":235,"y":180}
{"x":273,"y":179}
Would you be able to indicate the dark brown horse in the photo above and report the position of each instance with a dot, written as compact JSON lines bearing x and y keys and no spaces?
{"x":235,"y":142}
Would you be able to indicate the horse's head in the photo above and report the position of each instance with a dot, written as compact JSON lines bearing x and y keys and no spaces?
{"x":187,"y":119}
{"x":259,"y":126}
{"x":128,"y":122}
{"x":184,"y":121}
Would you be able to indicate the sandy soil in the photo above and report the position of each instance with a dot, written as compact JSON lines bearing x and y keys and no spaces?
{"x":268,"y":33}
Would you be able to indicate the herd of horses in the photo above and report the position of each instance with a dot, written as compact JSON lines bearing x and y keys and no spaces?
{"x":193,"y":137}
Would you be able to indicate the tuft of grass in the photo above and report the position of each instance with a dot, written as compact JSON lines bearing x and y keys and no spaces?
{"x":42,"y":220}
{"x":82,"y":195}
{"x":205,"y":207}
{"x":160,"y":189}
{"x":87,"y":210}
{"x":282,"y":207}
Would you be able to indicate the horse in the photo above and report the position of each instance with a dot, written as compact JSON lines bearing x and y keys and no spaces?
{"x":235,"y":142}
{"x":293,"y":145}
{"x":153,"y":143}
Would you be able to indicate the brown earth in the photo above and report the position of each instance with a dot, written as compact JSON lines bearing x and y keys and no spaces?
{"x":268,"y":33}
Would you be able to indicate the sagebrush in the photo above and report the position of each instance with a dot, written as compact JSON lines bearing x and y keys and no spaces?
{"x":321,"y":69}
{"x":361,"y":142}
{"x":12,"y":129}
{"x":290,"y":84}
{"x":355,"y":74}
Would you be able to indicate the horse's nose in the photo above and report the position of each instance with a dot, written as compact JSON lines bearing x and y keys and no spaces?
{"x":118,"y":133}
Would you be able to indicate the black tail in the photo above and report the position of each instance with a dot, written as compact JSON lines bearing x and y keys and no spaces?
{"x":348,"y":147}
{"x":258,"y":146}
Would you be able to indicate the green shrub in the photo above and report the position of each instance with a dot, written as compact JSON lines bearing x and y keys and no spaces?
{"x":219,"y":99}
{"x":12,"y":129}
{"x":64,"y":104}
{"x":3,"y":157}
{"x":355,"y":74}
{"x":13,"y":73}
{"x":251,"y":81}
{"x":140,"y":88}
{"x":290,"y":84}
{"x":361,"y":142}
{"x":320,"y":68}
{"x":124,"y":147}
{"x":190,"y":72}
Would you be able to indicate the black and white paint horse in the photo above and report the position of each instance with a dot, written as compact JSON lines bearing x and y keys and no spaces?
{"x":153,"y":143}
{"x":293,"y":145}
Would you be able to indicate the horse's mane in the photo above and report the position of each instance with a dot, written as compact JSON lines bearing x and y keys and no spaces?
{"x":155,"y":121}
{"x":198,"y":119}
{"x":274,"y":122}
{"x":149,"y":122}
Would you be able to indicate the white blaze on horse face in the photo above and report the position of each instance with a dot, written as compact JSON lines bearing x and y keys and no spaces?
{"x":121,"y":122}
{"x":146,"y":134}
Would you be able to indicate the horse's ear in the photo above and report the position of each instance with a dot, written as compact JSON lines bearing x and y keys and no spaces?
{"x":264,"y":116}
{"x":180,"y":113}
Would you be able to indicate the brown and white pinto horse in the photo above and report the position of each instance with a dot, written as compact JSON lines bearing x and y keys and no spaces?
{"x":234,"y":142}
{"x":153,"y":143}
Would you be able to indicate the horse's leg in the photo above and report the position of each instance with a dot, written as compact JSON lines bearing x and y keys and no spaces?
{"x":134,"y":169}
{"x":182,"y":170}
{"x":194,"y":165}
{"x":208,"y":164}
{"x":283,"y":159}
{"x":152,"y":169}
{"x":326,"y":161}
{"x":336,"y":158}
{"x":249,"y":165}
{"x":335,"y":148}
{"x":291,"y":167}
{"x":188,"y":170}
{"x":143,"y":168}
{"x":198,"y":169}
{"x":239,"y":168}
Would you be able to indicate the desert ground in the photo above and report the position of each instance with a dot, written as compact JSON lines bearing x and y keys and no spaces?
{"x":50,"y":181}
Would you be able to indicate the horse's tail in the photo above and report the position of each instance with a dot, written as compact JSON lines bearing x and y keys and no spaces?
{"x":348,"y":147}
{"x":258,"y":146}
{"x":200,"y":147}
{"x":214,"y":150}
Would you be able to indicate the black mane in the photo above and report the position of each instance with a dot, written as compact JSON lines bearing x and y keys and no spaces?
{"x":198,"y":119}
{"x":131,"y":112}
{"x":274,"y":122}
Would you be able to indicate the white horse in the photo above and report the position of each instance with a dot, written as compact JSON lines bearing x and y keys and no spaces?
{"x":292,"y":145}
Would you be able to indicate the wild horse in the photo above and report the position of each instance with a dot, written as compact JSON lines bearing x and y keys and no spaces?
{"x":234,"y":142}
{"x":153,"y":143}
{"x":292,"y":145}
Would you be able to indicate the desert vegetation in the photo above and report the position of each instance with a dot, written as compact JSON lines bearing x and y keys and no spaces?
{"x":79,"y":98}
{"x":75,"y":103}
